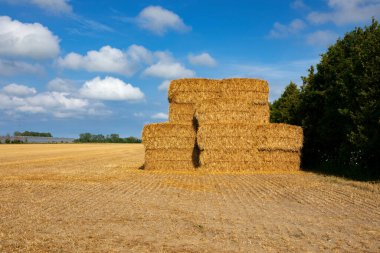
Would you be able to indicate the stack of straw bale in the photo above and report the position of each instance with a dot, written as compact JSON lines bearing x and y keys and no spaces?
{"x":170,"y":146}
{"x":221,"y":125}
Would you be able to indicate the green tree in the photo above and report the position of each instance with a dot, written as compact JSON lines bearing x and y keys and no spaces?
{"x":340,"y":106}
{"x":286,"y":108}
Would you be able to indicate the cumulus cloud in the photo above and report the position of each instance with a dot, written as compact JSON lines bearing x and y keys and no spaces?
{"x":18,"y":90}
{"x":110,"y":88}
{"x":61,"y":85}
{"x":298,"y":4}
{"x":203,"y":59}
{"x":56,"y":104}
{"x":164,"y":85}
{"x":54,"y":6}
{"x":109,"y":60}
{"x":160,"y":115}
{"x":159,"y":20}
{"x":281,"y":31}
{"x":28,"y":40}
{"x":12,"y":67}
{"x":347,"y":11}
{"x":167,"y":68}
{"x":50,"y":6}
{"x":322,"y":38}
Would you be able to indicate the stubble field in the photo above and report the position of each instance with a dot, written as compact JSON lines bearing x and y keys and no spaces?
{"x":93,"y":198}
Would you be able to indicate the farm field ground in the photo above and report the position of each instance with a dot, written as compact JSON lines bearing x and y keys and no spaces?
{"x":93,"y":198}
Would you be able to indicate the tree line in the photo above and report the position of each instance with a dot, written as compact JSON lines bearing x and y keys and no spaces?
{"x":100,"y":138}
{"x":338,"y":106}
{"x":30,"y":133}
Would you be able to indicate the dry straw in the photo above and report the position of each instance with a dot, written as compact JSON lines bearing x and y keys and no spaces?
{"x":232,"y":111}
{"x":157,"y":130}
{"x":249,"y":155}
{"x":244,"y":84}
{"x":181,"y":113}
{"x":169,"y":142}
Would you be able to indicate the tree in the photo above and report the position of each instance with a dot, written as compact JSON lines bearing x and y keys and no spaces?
{"x":340,"y":106}
{"x":286,"y":108}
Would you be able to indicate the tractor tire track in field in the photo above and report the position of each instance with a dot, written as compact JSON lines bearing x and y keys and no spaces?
{"x":92,"y":198}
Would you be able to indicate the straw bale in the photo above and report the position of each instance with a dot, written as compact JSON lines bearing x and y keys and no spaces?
{"x":231,"y":104}
{"x":249,"y":142}
{"x":250,"y":129}
{"x":169,"y":142}
{"x":257,"y":117}
{"x":170,"y":165}
{"x":193,"y":85}
{"x":153,"y":155}
{"x":188,"y":97}
{"x":239,"y":155}
{"x":245,"y":95}
{"x":249,"y":166}
{"x":244,"y":84}
{"x":181,"y":113}
{"x":167,"y":130}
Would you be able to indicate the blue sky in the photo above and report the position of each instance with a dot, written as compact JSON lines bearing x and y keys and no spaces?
{"x":69,"y":67}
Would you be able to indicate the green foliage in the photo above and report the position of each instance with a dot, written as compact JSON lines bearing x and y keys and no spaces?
{"x":339,"y":107}
{"x":99,"y":138}
{"x":7,"y":141}
{"x":286,"y":108}
{"x":30,"y":133}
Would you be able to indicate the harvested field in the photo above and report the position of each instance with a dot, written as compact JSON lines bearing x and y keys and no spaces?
{"x":93,"y":198}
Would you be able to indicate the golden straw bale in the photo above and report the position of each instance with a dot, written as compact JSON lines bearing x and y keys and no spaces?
{"x":167,"y":129}
{"x":152,"y":155}
{"x":188,"y":97}
{"x":258,"y":117}
{"x":231,"y":104}
{"x":244,"y":84}
{"x":246,"y":95}
{"x":253,"y":155}
{"x":169,"y":142}
{"x":181,"y":118}
{"x":232,"y":111}
{"x":181,"y":113}
{"x":264,"y":143}
{"x":170,"y":165}
{"x":250,"y":129}
{"x":193,"y":85}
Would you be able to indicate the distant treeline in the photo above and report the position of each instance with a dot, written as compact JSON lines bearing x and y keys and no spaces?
{"x":30,"y":133}
{"x":100,"y":138}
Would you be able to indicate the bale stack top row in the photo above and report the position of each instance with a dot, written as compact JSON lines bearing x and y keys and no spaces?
{"x":221,"y":125}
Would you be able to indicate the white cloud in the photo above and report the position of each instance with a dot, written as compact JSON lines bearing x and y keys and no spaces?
{"x":51,"y":6}
{"x":160,"y":115}
{"x":61,"y":85}
{"x":203,"y":59}
{"x":19,"y":39}
{"x":54,"y":6}
{"x":159,"y":20}
{"x":110,"y":88}
{"x":322,"y":38}
{"x":281,"y":31}
{"x":298,"y":4}
{"x":347,"y":11}
{"x":18,"y":90}
{"x":164,"y":85}
{"x":56,"y":104}
{"x":167,"y":68}
{"x":11,"y":67}
{"x":109,"y":60}
{"x":138,"y":114}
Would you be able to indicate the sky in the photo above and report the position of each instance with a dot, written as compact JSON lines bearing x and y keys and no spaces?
{"x":69,"y":66}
